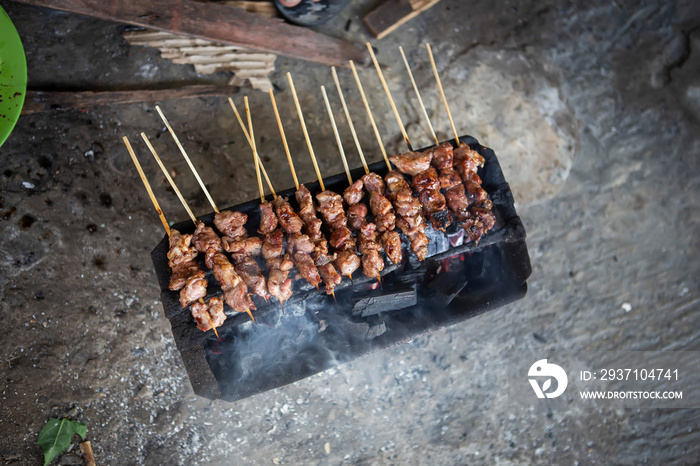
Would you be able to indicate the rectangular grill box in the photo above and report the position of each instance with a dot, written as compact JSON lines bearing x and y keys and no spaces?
{"x":314,"y":332}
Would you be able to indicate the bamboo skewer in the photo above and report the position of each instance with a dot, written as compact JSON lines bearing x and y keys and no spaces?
{"x":255,"y":159}
{"x":388,"y":94}
{"x":284,"y":139}
{"x":147,"y":185}
{"x":170,"y":180}
{"x":369,"y":114}
{"x":347,"y":117}
{"x":251,"y":143}
{"x":187,"y":158}
{"x":420,"y":100}
{"x":442,"y":93}
{"x":306,"y":132}
{"x":337,"y":135}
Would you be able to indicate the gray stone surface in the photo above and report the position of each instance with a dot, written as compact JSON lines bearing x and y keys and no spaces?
{"x":591,"y":107}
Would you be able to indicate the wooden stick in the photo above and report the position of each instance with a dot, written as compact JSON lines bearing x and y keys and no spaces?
{"x":306,"y":133}
{"x":255,"y":160}
{"x":347,"y":117}
{"x":284,"y":139}
{"x":415,"y":88}
{"x":369,"y":114}
{"x":388,"y":94}
{"x":146,"y":184}
{"x":251,"y":143}
{"x":170,"y":180}
{"x":337,"y":135}
{"x":218,"y":22}
{"x":189,"y":162}
{"x":255,"y":148}
{"x":442,"y":93}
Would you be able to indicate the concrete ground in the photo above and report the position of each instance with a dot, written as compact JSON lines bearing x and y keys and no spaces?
{"x":594,"y":111}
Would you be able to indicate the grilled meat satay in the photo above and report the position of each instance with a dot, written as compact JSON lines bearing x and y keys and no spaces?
{"x":312,"y":228}
{"x":235,"y":290}
{"x":330,"y":205}
{"x":278,"y":264}
{"x":384,"y":216}
{"x":408,"y":210}
{"x":481,"y":218}
{"x":186,"y":274}
{"x":451,"y":182}
{"x":242,"y":249}
{"x":427,"y":185}
{"x":369,"y":247}
{"x":292,"y":225}
{"x":210,"y":314}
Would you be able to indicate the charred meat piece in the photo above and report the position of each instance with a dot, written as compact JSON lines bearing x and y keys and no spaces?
{"x":181,"y":250}
{"x":231,"y":223}
{"x":383,"y":212}
{"x":306,"y":268}
{"x":180,"y":274}
{"x":353,"y":193}
{"x":442,"y":157}
{"x":194,"y":289}
{"x":412,"y":163}
{"x":467,"y":160}
{"x":347,"y":262}
{"x":433,"y":201}
{"x":208,"y":314}
{"x":374,"y":183}
{"x":279,"y":285}
{"x":392,"y":246}
{"x":249,"y":270}
{"x":273,"y":245}
{"x":330,"y":205}
{"x":307,"y":212}
{"x":251,"y":246}
{"x":300,"y":243}
{"x":205,"y":238}
{"x":289,"y":220}
{"x":341,"y":238}
{"x":330,"y":276}
{"x":356,"y":216}
{"x":372,"y":261}
{"x":268,"y":219}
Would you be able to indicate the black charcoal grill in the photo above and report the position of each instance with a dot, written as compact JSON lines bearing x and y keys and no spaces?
{"x":315,"y":332}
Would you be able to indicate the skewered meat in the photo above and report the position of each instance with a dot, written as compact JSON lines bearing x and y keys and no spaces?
{"x":481,"y":218}
{"x":300,"y":243}
{"x":392,"y":246}
{"x":231,"y":223}
{"x":180,"y":274}
{"x":306,"y":268}
{"x":383,"y":212}
{"x":433,"y":201}
{"x":412,"y":163}
{"x":207,"y":242}
{"x":288,"y":219}
{"x":331,"y":278}
{"x":330,"y":205}
{"x":208,"y":314}
{"x":356,"y":216}
{"x":372,"y":261}
{"x":181,"y":250}
{"x":268,"y":219}
{"x":374,"y":183}
{"x":250,"y":246}
{"x":250,"y":272}
{"x":195,"y":288}
{"x":451,"y":182}
{"x":273,"y":245}
{"x":307,"y":212}
{"x":408,"y":209}
{"x":353,"y":193}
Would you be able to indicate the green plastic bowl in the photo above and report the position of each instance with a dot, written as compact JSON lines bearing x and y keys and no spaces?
{"x":13,"y":76}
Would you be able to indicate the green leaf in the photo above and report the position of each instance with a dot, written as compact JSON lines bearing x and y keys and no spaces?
{"x":56,"y":435}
